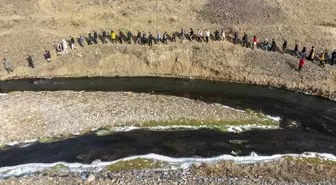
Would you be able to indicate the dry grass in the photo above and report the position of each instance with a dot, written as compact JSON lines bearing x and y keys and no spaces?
{"x":30,"y":30}
{"x":287,"y":170}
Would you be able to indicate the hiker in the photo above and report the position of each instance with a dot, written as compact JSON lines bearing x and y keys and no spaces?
{"x":95,"y":36}
{"x":165,"y":37}
{"x":301,"y":64}
{"x":113,"y":37}
{"x":303,"y":52}
{"x":326,"y":56}
{"x":150,"y":39}
{"x":129,"y":37}
{"x":333,"y":57}
{"x":296,"y":50}
{"x":90,"y":39}
{"x":273,"y":46}
{"x":121,"y":36}
{"x":191,"y":36}
{"x":182,"y":34}
{"x":322,"y":58}
{"x":245,"y":40}
{"x":254,"y":42}
{"x":158,"y":37}
{"x":81,"y":40}
{"x":30,"y":61}
{"x":266,"y":45}
{"x":59,"y":49}
{"x":173,"y":39}
{"x":223,"y":35}
{"x":217,"y":36}
{"x":138,"y":40}
{"x":207,"y":35}
{"x":72,"y":43}
{"x":104,"y":37}
{"x":235,"y":38}
{"x":7,"y":66}
{"x":284,"y":46}
{"x":144,"y":38}
{"x":200,"y":35}
{"x":311,"y":55}
{"x":65,"y":46}
{"x":47,"y":55}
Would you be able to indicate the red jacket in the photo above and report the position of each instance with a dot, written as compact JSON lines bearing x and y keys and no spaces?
{"x":302,"y":62}
{"x":255,"y":39}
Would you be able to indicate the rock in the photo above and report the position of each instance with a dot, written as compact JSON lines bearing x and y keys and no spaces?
{"x":91,"y":178}
{"x":79,"y":55}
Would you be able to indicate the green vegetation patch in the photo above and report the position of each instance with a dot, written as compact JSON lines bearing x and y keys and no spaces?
{"x":136,"y":164}
{"x":104,"y":132}
{"x":59,"y":167}
{"x":310,"y":160}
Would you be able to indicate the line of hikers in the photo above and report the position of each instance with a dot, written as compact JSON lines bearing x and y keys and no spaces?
{"x":141,"y":38}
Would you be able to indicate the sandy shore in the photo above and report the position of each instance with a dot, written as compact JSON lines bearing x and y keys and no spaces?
{"x":29,"y":115}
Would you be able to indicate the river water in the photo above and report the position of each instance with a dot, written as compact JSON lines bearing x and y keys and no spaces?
{"x":315,"y":119}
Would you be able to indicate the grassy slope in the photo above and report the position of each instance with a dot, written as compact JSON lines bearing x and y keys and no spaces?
{"x":31,"y":26}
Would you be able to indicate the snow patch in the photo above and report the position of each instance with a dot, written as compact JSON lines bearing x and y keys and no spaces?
{"x":183,"y":163}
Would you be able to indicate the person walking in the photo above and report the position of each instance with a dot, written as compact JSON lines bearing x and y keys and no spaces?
{"x":95,"y":37}
{"x":30,"y":61}
{"x":235,"y":38}
{"x":47,"y":55}
{"x":144,"y":38}
{"x":150,"y":39}
{"x":200,"y":35}
{"x":322,"y":59}
{"x":217,"y":36}
{"x":165,"y":37}
{"x":311,"y":55}
{"x":65,"y":46}
{"x":333,"y":57}
{"x":121,"y":36}
{"x":138,"y":40}
{"x":207,"y":35}
{"x":58,"y":49}
{"x":113,"y":37}
{"x":81,"y":40}
{"x":301,"y":64}
{"x":191,"y":34}
{"x":7,"y":66}
{"x":129,"y":37}
{"x":223,"y":35}
{"x":72,"y":43}
{"x":182,"y":34}
{"x":173,"y":39}
{"x":245,"y":40}
{"x":266,"y":45}
{"x":273,"y":46}
{"x":296,"y":50}
{"x":304,"y":52}
{"x":284,"y":46}
{"x":104,"y":37}
{"x":254,"y":42}
{"x":90,"y":39}
{"x":158,"y":37}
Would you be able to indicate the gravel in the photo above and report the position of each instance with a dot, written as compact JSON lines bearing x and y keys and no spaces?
{"x":154,"y":177}
{"x":32,"y":115}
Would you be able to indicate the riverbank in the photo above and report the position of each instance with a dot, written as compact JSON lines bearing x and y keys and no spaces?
{"x":286,"y":171}
{"x":35,"y":115}
{"x":215,"y":61}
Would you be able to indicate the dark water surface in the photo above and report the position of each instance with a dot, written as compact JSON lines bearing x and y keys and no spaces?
{"x":317,"y":117}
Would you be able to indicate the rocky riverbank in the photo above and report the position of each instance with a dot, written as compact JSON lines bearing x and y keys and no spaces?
{"x":273,"y":173}
{"x":34,"y":115}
